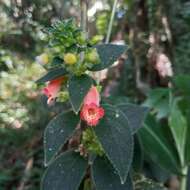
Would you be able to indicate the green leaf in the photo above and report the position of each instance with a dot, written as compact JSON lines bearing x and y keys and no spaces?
{"x":182,"y":82}
{"x":58,"y":132}
{"x":65,"y":173}
{"x":135,"y":115}
{"x":138,"y":157}
{"x":115,"y":100}
{"x":116,"y":138}
{"x":157,"y":146}
{"x":57,"y":61}
{"x":52,"y":74}
{"x":78,"y":88}
{"x":105,"y":177}
{"x":184,"y":106}
{"x":158,"y":99}
{"x":108,"y":54}
{"x":178,"y":126}
{"x":188,"y":139}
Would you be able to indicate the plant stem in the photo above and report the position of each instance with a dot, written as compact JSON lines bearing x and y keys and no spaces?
{"x":111,"y":22}
{"x":84,"y":17}
{"x":84,"y":22}
{"x":183,"y":185}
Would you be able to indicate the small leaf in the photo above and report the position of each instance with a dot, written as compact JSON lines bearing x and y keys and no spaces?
{"x":105,"y":177}
{"x":157,"y":147}
{"x":135,"y":115}
{"x":108,"y":54}
{"x":78,"y":88}
{"x":178,"y":126}
{"x":57,"y":133}
{"x":65,"y":173}
{"x":114,"y":134}
{"x":52,"y":74}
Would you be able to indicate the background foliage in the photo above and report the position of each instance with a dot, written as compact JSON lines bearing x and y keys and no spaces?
{"x":23,"y":111}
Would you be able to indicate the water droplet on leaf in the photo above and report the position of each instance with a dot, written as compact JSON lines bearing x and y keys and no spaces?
{"x":116,"y":115}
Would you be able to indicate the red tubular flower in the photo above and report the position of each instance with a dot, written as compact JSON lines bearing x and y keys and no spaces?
{"x":91,"y":111}
{"x":52,"y":89}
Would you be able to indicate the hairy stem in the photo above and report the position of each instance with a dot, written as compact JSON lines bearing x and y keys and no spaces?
{"x":111,"y":22}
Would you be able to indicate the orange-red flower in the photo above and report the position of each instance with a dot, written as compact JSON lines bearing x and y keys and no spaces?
{"x":52,"y":89}
{"x":91,"y":111}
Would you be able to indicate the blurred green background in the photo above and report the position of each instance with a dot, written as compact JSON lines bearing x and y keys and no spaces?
{"x":150,"y":27}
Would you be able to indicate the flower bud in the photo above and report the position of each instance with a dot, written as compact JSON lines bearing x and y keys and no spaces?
{"x":42,"y":59}
{"x":92,"y":56}
{"x":52,"y":89}
{"x":70,"y":58}
{"x":81,"y":39}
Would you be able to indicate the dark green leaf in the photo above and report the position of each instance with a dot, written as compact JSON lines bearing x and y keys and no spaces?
{"x":52,"y":74}
{"x":65,"y":173}
{"x":182,"y":82}
{"x":178,"y":126}
{"x":135,"y":115}
{"x":115,"y":100}
{"x":78,"y":88}
{"x":138,"y":155}
{"x":158,"y":147}
{"x":188,"y":139}
{"x":57,"y":61}
{"x":57,"y":133}
{"x":108,"y":54}
{"x":184,"y":107}
{"x":116,"y":138}
{"x":157,"y":172}
{"x":105,"y":177}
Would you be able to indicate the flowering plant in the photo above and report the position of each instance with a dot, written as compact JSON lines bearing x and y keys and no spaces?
{"x":93,"y":139}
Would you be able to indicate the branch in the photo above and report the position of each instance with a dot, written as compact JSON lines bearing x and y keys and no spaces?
{"x":111,"y":22}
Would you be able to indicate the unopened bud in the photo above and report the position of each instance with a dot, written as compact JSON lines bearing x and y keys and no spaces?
{"x":70,"y":58}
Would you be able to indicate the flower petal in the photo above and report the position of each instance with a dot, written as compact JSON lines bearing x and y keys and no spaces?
{"x":92,"y":97}
{"x":52,"y":89}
